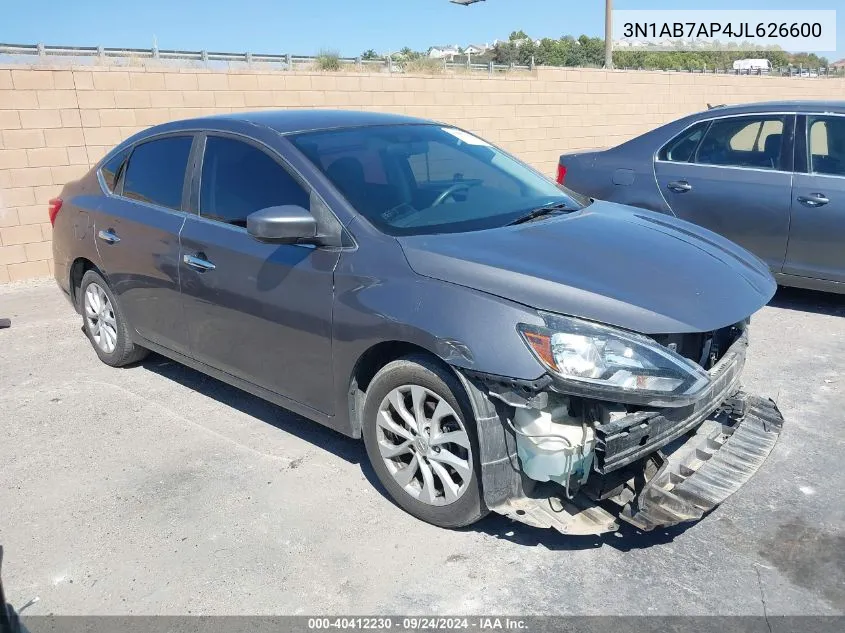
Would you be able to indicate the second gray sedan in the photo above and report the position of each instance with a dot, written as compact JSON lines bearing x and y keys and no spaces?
{"x":769,"y":176}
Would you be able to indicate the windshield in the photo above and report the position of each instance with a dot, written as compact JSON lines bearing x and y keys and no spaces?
{"x":418,"y":179}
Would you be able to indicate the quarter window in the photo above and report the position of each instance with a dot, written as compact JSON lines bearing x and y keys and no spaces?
{"x":239,"y":179}
{"x":111,"y":169}
{"x":680,"y":148}
{"x":743,"y":142}
{"x":827,"y":145}
{"x":156,"y":171}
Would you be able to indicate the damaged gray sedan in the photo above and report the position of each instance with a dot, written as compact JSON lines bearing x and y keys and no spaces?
{"x":498,"y":342}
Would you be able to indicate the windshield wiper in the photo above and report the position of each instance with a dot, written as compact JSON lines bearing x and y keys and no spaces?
{"x":553,"y":208}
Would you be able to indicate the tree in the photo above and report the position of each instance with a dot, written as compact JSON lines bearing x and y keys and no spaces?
{"x":520,"y":48}
{"x":370,"y":54}
{"x":409,"y":53}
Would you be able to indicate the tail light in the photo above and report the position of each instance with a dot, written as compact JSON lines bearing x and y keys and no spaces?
{"x":55,"y":207}
{"x":561,"y":173}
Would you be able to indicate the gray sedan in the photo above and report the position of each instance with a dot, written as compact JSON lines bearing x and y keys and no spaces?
{"x":496,"y":343}
{"x":769,"y":176}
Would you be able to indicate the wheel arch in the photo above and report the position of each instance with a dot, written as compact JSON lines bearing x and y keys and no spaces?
{"x":500,"y":473}
{"x":368,"y":365}
{"x":78,"y":268}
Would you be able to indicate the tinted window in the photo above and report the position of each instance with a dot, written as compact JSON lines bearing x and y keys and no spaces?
{"x":416,"y":179}
{"x":156,"y":171}
{"x":111,"y":169}
{"x":743,"y":142}
{"x":680,"y":148}
{"x":238,"y":179}
{"x":827,"y":145}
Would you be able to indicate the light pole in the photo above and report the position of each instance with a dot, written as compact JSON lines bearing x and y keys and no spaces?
{"x":608,"y":33}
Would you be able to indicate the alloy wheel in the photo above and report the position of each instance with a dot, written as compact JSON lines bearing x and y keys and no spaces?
{"x":424,"y":445}
{"x":100,"y":318}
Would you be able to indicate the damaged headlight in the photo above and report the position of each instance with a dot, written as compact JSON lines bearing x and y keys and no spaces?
{"x":606,"y":363}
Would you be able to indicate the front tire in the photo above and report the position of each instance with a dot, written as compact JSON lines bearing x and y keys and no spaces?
{"x":105,"y":324}
{"x":421,"y":439}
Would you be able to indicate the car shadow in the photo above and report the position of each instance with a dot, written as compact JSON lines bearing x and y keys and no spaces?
{"x":320,"y":436}
{"x":809,"y":301}
{"x":627,"y":538}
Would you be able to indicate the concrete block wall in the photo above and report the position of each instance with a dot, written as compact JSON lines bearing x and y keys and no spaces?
{"x":57,"y":122}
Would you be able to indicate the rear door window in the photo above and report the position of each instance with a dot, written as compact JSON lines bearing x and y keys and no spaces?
{"x":752,"y":141}
{"x":239,"y":179}
{"x":826,"y":136}
{"x":680,"y":148}
{"x":156,"y":171}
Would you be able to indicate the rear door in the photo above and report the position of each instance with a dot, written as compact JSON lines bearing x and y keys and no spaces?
{"x":261,"y":312}
{"x":737,"y":180}
{"x":137,"y":236}
{"x":817,"y":234}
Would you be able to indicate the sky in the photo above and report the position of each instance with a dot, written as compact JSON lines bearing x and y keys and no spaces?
{"x":304,"y":27}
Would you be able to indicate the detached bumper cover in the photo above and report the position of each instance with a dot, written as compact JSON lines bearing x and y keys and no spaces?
{"x":709,"y":467}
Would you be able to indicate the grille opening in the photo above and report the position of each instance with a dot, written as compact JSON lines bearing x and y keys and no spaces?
{"x":702,"y":348}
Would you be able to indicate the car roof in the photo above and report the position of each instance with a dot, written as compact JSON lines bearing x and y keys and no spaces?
{"x":280,"y":121}
{"x":779,"y":106}
{"x":290,"y":121}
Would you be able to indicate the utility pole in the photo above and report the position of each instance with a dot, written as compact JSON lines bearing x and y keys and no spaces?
{"x":608,"y":34}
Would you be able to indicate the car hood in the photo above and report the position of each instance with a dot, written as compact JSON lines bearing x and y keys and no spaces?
{"x":610,"y":263}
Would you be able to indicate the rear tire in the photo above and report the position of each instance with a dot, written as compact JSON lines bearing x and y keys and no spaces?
{"x":105,"y":324}
{"x":410,"y":407}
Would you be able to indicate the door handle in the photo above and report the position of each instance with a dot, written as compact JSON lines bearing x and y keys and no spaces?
{"x":679,"y":186}
{"x":198,"y":263}
{"x":814,"y":200}
{"x":110,"y":237}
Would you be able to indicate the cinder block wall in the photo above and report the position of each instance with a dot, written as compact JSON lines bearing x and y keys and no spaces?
{"x":57,"y":122}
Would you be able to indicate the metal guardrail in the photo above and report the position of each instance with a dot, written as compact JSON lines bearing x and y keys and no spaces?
{"x":104,"y":55}
{"x":126,"y":56}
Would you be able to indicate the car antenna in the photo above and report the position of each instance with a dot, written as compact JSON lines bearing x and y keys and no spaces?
{"x":711,"y":107}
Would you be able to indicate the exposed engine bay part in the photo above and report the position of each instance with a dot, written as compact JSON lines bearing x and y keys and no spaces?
{"x":702,"y":472}
{"x":553,"y":444}
{"x":626,"y":439}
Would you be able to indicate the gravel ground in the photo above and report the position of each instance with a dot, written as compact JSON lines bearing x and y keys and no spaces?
{"x":156,"y":490}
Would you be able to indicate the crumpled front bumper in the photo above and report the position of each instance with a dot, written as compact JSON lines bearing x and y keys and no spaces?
{"x":697,"y":474}
{"x":652,"y":468}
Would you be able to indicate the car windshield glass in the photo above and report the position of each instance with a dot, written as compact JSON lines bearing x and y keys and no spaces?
{"x":421,"y":179}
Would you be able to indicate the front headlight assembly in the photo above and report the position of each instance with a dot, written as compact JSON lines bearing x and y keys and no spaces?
{"x":606,"y":363}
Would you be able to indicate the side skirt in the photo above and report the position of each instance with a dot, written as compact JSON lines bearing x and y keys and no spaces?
{"x":810,"y":283}
{"x":300,"y":409}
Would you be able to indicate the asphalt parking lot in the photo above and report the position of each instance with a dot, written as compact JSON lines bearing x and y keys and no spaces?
{"x":156,"y":490}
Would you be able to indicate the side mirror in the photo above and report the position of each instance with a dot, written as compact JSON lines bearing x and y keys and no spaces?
{"x":287,"y":224}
